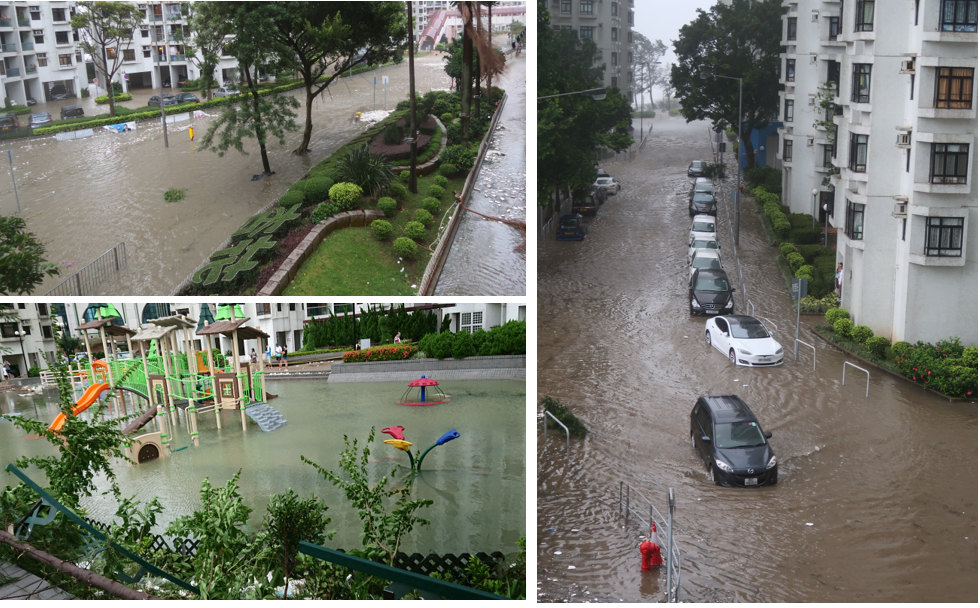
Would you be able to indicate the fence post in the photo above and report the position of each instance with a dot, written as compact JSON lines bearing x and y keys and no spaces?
{"x":78,"y":283}
{"x":627,"y":506}
{"x":115,"y":251}
{"x":671,"y":597}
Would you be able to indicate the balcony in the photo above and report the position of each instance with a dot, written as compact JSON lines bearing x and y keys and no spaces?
{"x":155,"y":18}
{"x":8,"y":48}
{"x":27,"y":46}
{"x":178,"y":58}
{"x":4,"y":22}
{"x":13,"y":72}
{"x":31,"y":70}
{"x":23,"y":22}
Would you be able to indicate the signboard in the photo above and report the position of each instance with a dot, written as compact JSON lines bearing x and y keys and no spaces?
{"x":384,"y":80}
{"x":374,"y":80}
{"x":799,"y":288}
{"x":125,"y":76}
{"x":95,"y":80}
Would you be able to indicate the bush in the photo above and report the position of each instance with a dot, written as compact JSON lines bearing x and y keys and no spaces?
{"x":843,"y":328}
{"x":388,"y":205}
{"x":394,"y":352}
{"x":398,"y":191}
{"x":392,"y":134}
{"x":436,"y":191}
{"x":800,"y":220}
{"x":440,"y":181}
{"x":448,"y":170}
{"x":299,"y":186}
{"x":787,"y":248}
{"x":318,"y":189}
{"x":33,"y":371}
{"x":345,"y":195}
{"x":877,"y":345}
{"x":834,"y":314}
{"x":969,"y":357}
{"x":423,"y":217}
{"x":812,"y":252}
{"x":446,"y":118}
{"x":935,"y":368}
{"x":460,"y":156}
{"x":323,"y":211}
{"x":381,"y":229}
{"x":405,"y":175}
{"x":454,"y":132}
{"x":559,"y":411}
{"x":103,"y":99}
{"x":85,"y":93}
{"x":463,"y":345}
{"x":861,"y":333}
{"x":292,"y":197}
{"x":805,"y":236}
{"x":371,"y":172}
{"x":405,"y":247}
{"x":415,"y":230}
{"x":805,"y":272}
{"x":795,"y":261}
{"x":431,"y":205}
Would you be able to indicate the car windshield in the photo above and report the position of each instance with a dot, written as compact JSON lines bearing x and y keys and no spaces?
{"x":569,"y":224}
{"x":697,"y":164}
{"x":706,"y":262}
{"x":704,"y":226}
{"x":711,"y":284}
{"x":749,"y":329}
{"x":738,"y":435}
{"x":604,"y":180}
{"x":703,"y":187}
{"x":703,"y":197}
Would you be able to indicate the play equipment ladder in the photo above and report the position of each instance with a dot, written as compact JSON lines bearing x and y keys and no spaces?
{"x":266,"y":416}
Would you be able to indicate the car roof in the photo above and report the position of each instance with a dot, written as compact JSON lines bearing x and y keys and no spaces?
{"x":707,"y":253}
{"x":703,"y":239}
{"x":697,"y":161}
{"x":741,"y":319}
{"x":71,"y":107}
{"x":702,"y":180}
{"x":569,"y":216}
{"x":701,"y":217}
{"x":728,"y":408}
{"x":714,"y":273}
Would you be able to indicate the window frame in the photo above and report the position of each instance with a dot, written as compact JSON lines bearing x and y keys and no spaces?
{"x":854,"y":221}
{"x":860,"y":24}
{"x":615,"y":9}
{"x":858,"y":74}
{"x":787,"y":150}
{"x":956,"y":24}
{"x":949,"y":178}
{"x":855,"y":146}
{"x":791,"y":28}
{"x":788,"y":109}
{"x":938,"y":226}
{"x":565,"y":8}
{"x":790,"y":67}
{"x":951,"y":78}
{"x":828,"y":156}
{"x":834,"y":31}
{"x":586,"y":7}
{"x":581,"y":32}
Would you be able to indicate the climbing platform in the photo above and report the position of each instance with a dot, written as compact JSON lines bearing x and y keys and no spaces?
{"x":266,"y":416}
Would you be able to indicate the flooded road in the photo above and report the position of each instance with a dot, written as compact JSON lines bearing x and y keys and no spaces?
{"x":889,"y":483}
{"x":82,"y":197}
{"x":486,"y":257}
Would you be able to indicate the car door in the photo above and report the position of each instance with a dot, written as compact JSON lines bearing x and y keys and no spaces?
{"x":704,"y":424}
{"x":723,"y":335}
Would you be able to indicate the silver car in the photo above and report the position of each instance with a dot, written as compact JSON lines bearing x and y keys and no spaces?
{"x":227,"y":92}
{"x":607,"y":184}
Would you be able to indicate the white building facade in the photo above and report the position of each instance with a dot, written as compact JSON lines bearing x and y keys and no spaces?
{"x":610,"y":25}
{"x":901,"y":130}
{"x":26,"y":336}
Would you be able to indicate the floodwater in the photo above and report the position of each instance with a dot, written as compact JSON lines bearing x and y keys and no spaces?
{"x":477,"y":482}
{"x":81,"y":197}
{"x":877,"y":497}
{"x":487,"y":257}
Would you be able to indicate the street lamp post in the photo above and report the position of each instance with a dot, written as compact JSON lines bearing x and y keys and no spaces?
{"x":826,"y":222}
{"x":23,"y":355}
{"x":813,"y":224}
{"x":738,"y":164}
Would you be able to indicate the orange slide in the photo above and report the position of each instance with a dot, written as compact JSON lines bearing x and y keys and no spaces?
{"x":90,"y":396}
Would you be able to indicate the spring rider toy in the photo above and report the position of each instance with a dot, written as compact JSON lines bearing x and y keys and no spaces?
{"x":398,"y":440}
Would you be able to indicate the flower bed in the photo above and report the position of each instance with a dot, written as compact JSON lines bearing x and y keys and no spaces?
{"x":392,"y":352}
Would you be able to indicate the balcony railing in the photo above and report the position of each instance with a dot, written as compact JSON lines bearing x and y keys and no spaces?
{"x":31,"y":70}
{"x":23,"y":22}
{"x":8,"y":48}
{"x":13,"y":72}
{"x":155,"y":18}
{"x":178,"y":58}
{"x":27,"y":46}
{"x":6,"y":22}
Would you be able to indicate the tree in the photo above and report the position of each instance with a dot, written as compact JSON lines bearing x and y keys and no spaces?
{"x":109,"y":28}
{"x":571,"y":129}
{"x":326,"y":39}
{"x":22,"y":263}
{"x":209,"y":37}
{"x":261,"y":116}
{"x":737,"y":41}
{"x":646,"y":54}
{"x":516,"y":27}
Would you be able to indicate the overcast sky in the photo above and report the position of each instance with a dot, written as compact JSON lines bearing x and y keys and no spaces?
{"x":663,"y":19}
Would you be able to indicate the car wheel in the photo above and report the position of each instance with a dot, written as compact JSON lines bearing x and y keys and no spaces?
{"x":731,"y":356}
{"x":707,"y":337}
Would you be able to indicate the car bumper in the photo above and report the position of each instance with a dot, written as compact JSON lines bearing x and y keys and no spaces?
{"x":742,"y":479}
{"x":768,"y":361}
{"x":571,"y":237}
{"x":585,"y":210}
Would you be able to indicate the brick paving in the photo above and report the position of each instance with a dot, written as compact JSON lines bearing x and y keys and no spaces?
{"x":26,"y":586}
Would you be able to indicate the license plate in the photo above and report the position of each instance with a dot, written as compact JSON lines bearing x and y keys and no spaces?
{"x":763,"y":358}
{"x":752,"y":481}
{"x":712,"y":312}
{"x":567,"y":233}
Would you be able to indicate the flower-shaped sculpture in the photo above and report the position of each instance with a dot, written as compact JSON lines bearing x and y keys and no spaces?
{"x":398,"y":432}
{"x":400,"y":443}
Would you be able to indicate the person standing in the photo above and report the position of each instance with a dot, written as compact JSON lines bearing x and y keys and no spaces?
{"x":839,"y":279}
{"x":255,"y":357}
{"x":3,"y":372}
{"x":6,"y":369}
{"x":398,"y":338}
{"x":285,"y":352}
{"x":279,"y":356}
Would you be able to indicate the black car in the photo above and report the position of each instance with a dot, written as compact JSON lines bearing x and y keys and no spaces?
{"x":168,"y":100}
{"x":72,"y":112}
{"x":586,"y":204}
{"x":710,"y":292}
{"x":8,"y":121}
{"x":187,"y":98}
{"x":702,"y":203}
{"x":696,"y":169}
{"x":571,"y":227}
{"x":599,"y":172}
{"x":728,"y":438}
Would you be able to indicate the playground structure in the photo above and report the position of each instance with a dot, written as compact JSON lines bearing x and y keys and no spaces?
{"x":399,"y":442}
{"x":432,"y":396}
{"x":166,"y":374}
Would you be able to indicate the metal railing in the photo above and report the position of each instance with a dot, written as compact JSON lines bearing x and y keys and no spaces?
{"x":867,"y":388}
{"x":798,"y":342}
{"x":775,"y":329}
{"x":84,"y":282}
{"x":544,"y":419}
{"x":673,"y":553}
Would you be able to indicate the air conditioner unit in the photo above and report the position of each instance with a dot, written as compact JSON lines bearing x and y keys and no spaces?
{"x":37,"y":32}
{"x":900,"y":210}
{"x":908,"y":67}
{"x":815,"y":17}
{"x":809,"y":142}
{"x":813,"y":59}
{"x":811,"y":100}
{"x":904,"y":140}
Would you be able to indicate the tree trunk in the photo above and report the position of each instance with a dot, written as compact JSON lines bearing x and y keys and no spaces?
{"x":259,"y":129}
{"x":749,"y":150}
{"x":466,"y":92}
{"x":304,"y":146}
{"x":412,"y":128}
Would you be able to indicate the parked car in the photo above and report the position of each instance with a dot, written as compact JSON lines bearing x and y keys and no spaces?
{"x":702,"y":203}
{"x":599,"y":193}
{"x":709,"y":292}
{"x":58,"y":92}
{"x":696,"y":168}
{"x":600,"y":172}
{"x":705,"y":258}
{"x":702,"y":184}
{"x":168,"y":100}
{"x":703,"y":226}
{"x":728,"y":438}
{"x":745,"y":340}
{"x":187,"y":98}
{"x":586,"y":204}
{"x":607,"y":184}
{"x":226,"y":92}
{"x":700,"y":243}
{"x":39,"y":119}
{"x":571,"y":227}
{"x":8,"y":121}
{"x":71,"y":112}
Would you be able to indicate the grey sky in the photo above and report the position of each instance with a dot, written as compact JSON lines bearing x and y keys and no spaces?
{"x":663,"y":19}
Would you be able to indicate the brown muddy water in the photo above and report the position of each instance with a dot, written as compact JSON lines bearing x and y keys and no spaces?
{"x":82,"y":197}
{"x":889,"y":482}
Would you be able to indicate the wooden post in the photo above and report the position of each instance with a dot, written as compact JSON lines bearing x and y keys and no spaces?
{"x":146,"y":377}
{"x":166,"y":380}
{"x":262,"y":372}
{"x":105,"y":359}
{"x":191,"y":402}
{"x":214,"y":382}
{"x":88,"y":349}
{"x":236,"y":367}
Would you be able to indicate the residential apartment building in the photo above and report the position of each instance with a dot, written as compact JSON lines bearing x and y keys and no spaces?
{"x":880,"y":119}
{"x":26,"y":337}
{"x":610,"y":25}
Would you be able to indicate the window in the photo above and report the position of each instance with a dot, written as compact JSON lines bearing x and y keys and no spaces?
{"x":129,"y":55}
{"x":78,"y":56}
{"x":629,"y":58}
{"x":35,"y":13}
{"x":854,"y":222}
{"x":64,"y":60}
{"x":859,"y":153}
{"x":791,"y":28}
{"x":614,"y":81}
{"x":7,"y":330}
{"x":834,"y":28}
{"x":949,"y":163}
{"x":39,"y":37}
{"x":615,"y":9}
{"x":828,"y":155}
{"x":861,"y":83}
{"x":263,"y":309}
{"x":22,"y":306}
{"x":944,"y":236}
{"x":42,"y":59}
{"x":292,"y":307}
{"x":614,"y":58}
{"x":58,"y":14}
{"x":788,"y":150}
{"x":278,"y":307}
{"x":61,"y":38}
{"x":958,"y":16}
{"x":46,"y":332}
{"x":833,"y":74}
{"x":566,"y":6}
{"x":790,"y":70}
{"x":788,"y":112}
{"x":42,"y":310}
{"x":585,"y":32}
{"x":629,"y":37}
{"x":25,"y":329}
{"x":954,"y":88}
{"x":470,"y":322}
{"x":110,"y":53}
{"x":864,"y":16}
{"x":342,"y":308}
{"x":615,"y":34}
{"x":145,"y":32}
{"x":147,"y":51}
{"x":585,"y":7}
{"x":631,"y":21}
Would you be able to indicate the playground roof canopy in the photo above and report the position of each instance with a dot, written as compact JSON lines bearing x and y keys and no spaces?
{"x":177,"y":321}
{"x":153,"y":332}
{"x":110,"y":330}
{"x":226,"y":328}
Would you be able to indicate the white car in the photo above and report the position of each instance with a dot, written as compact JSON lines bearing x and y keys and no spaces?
{"x":701,"y":243}
{"x":744,"y":339}
{"x":607,"y":184}
{"x":706,"y":258}
{"x":703,"y":227}
{"x":227,"y":92}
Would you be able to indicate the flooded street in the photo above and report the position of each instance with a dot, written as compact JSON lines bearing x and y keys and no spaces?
{"x":82,"y":197}
{"x":485,"y":257}
{"x":889,"y":482}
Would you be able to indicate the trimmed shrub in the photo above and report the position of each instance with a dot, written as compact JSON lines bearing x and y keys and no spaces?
{"x":436,"y":191}
{"x":299,"y":186}
{"x":446,"y":117}
{"x":431,"y":205}
{"x":423,"y":217}
{"x":291,"y":198}
{"x":812,"y":252}
{"x":448,"y":170}
{"x":323,"y":211}
{"x":460,"y":156}
{"x":392,"y":352}
{"x":440,"y":181}
{"x":834,"y":314}
{"x":843,"y":328}
{"x":969,"y":357}
{"x":318,"y":189}
{"x":101,"y":99}
{"x":463,"y":345}
{"x":405,"y":175}
{"x":405,"y":247}
{"x":861,"y":333}
{"x":415,"y":230}
{"x":345,"y":195}
{"x":795,"y":261}
{"x":805,"y":236}
{"x":877,"y":345}
{"x":805,"y":272}
{"x":381,"y":229}
{"x":800,"y":220}
{"x":398,"y":191}
{"x":388,"y":205}
{"x":787,"y":248}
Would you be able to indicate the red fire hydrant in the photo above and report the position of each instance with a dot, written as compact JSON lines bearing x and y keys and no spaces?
{"x":650,"y":551}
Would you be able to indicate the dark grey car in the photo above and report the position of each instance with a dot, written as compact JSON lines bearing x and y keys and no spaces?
{"x":710,"y":292}
{"x":729,"y":440}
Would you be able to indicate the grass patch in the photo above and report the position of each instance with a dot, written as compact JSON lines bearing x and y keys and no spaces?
{"x":174,"y":195}
{"x":559,"y":411}
{"x":318,"y":351}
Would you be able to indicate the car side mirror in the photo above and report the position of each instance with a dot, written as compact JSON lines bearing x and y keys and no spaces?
{"x":706,"y":439}
{"x":724,"y":333}
{"x":733,"y":290}
{"x":768,"y":434}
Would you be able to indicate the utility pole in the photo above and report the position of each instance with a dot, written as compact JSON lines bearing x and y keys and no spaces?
{"x":163,"y":108}
{"x":412,"y":136}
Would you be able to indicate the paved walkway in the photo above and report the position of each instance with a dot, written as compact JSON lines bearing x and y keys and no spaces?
{"x":26,"y":586}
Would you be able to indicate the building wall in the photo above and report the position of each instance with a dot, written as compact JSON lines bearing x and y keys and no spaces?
{"x":569,"y":14}
{"x":34,"y":322}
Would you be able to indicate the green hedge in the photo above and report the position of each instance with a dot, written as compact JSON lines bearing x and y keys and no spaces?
{"x":103,"y":99}
{"x":507,"y":339}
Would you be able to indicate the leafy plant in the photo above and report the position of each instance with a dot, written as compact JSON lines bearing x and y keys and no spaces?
{"x":448,"y":170}
{"x":834,"y":314}
{"x":436,"y":191}
{"x":368,"y":171}
{"x":323,"y":211}
{"x":423,"y":217}
{"x":843,"y":328}
{"x":387,"y":205}
{"x":398,"y":191}
{"x":459,"y":156}
{"x":345,"y":195}
{"x":415,"y":231}
{"x":175,"y":194}
{"x":33,"y":372}
{"x":877,"y":346}
{"x":440,"y":181}
{"x":381,"y":229}
{"x":566,"y":417}
{"x":292,"y":198}
{"x":405,"y":175}
{"x":318,"y":189}
{"x":405,"y":247}
{"x":861,"y":333}
{"x":431,"y":205}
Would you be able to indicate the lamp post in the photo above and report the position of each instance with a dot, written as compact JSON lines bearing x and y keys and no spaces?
{"x":826,"y":221}
{"x":814,"y":192}
{"x":738,"y":167}
{"x":23,"y":355}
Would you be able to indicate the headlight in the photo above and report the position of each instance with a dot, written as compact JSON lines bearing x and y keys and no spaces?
{"x":779,"y":350}
{"x":730,"y":304}
{"x":724,"y":466}
{"x":772,"y":463}
{"x":694,"y":303}
{"x":744,"y":352}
